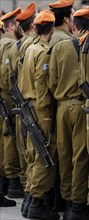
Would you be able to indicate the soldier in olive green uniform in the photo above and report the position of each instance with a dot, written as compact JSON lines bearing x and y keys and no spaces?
{"x":84,"y":73}
{"x":63,"y":11}
{"x":10,"y":156}
{"x":33,"y":86}
{"x":4,"y":202}
{"x":71,"y":125}
{"x":25,"y":19}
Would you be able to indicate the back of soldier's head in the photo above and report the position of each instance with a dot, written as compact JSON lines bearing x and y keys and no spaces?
{"x":44,"y":22}
{"x":26,"y":17}
{"x":10,"y":17}
{"x":60,"y":14}
{"x":25,"y":25}
{"x":81,"y":19}
{"x":61,"y":9}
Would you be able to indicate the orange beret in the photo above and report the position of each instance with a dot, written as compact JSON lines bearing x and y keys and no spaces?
{"x":83,"y":12}
{"x":27,"y":13}
{"x":11,"y":14}
{"x":61,"y":4}
{"x":44,"y":17}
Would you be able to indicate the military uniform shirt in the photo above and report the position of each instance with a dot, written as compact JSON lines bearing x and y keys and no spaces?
{"x":63,"y":69}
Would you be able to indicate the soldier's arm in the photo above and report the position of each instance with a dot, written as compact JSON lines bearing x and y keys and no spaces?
{"x":41,"y":74}
{"x":52,"y":81}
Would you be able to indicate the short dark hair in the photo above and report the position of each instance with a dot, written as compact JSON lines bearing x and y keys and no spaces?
{"x":25,"y":24}
{"x":44,"y":28}
{"x":81,"y":23}
{"x":60,"y":13}
{"x":7,"y":21}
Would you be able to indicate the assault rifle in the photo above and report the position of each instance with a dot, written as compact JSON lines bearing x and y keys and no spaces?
{"x":85,"y":88}
{"x":28,"y":116}
{"x":6,"y":116}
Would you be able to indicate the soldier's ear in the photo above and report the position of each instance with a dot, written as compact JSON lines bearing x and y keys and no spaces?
{"x":66,"y":20}
{"x":32,"y":25}
{"x":74,"y":30}
{"x":12,"y":26}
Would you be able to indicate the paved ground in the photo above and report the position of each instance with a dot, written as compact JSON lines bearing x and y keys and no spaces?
{"x":13,"y":213}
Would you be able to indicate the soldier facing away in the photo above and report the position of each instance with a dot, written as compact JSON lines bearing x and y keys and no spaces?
{"x":9,"y":160}
{"x":71,"y":124}
{"x":33,"y":86}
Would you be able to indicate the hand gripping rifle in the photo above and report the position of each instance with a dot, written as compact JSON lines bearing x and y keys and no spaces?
{"x":6,"y":116}
{"x":28,"y":117}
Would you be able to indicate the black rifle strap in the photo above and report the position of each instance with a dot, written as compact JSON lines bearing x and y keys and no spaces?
{"x":76,"y":46}
{"x":19,"y":43}
{"x":50,"y":50}
{"x":86,"y":45}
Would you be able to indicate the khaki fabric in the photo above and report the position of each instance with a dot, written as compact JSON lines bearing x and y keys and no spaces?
{"x":33,"y":86}
{"x":27,"y":42}
{"x":17,"y":68}
{"x":71,"y":122}
{"x":2,"y":172}
{"x":5,"y":46}
{"x":58,"y":35}
{"x":84,"y":76}
{"x":22,"y":149}
{"x":39,"y":178}
{"x":10,"y":157}
{"x":64,"y":86}
{"x":72,"y":152}
{"x":14,"y":55}
{"x":18,"y":50}
{"x":84,"y":71}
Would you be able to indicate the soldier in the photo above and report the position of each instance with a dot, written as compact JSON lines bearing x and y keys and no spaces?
{"x":9,"y":173}
{"x":63,"y":11}
{"x":84,"y":73}
{"x":71,"y":124}
{"x":4,"y":202}
{"x":33,"y":86}
{"x":25,"y":19}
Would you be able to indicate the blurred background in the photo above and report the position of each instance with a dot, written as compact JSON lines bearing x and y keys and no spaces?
{"x":9,"y":5}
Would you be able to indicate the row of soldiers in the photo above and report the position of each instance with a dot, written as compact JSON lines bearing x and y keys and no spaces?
{"x":45,"y":55}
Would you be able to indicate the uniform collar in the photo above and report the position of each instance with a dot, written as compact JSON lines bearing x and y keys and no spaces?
{"x":7,"y":35}
{"x":42,"y":42}
{"x":58,"y":28}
